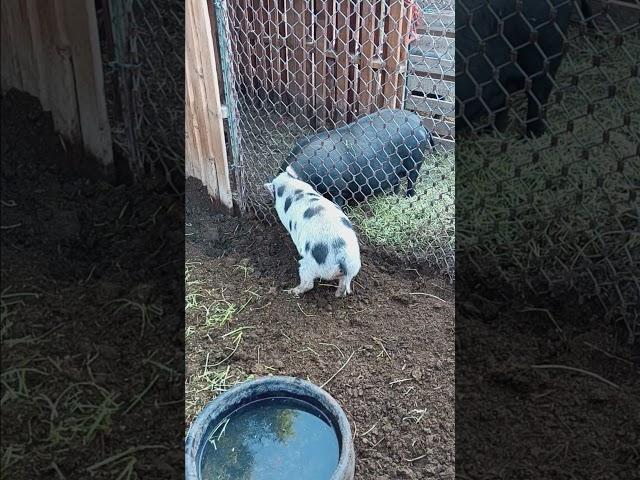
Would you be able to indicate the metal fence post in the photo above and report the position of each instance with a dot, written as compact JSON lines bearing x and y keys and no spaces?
{"x":226,"y":69}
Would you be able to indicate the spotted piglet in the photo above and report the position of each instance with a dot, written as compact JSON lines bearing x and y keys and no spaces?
{"x":320,"y":231}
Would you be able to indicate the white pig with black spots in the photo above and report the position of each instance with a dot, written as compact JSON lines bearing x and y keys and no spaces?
{"x":321,"y":232}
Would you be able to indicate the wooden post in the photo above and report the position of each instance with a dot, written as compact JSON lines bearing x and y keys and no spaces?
{"x":206,"y":151}
{"x":82,"y":28}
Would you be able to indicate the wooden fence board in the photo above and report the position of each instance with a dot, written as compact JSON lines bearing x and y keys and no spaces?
{"x":395,"y":29}
{"x":82,"y":27}
{"x":429,"y":105}
{"x":428,"y":64}
{"x":206,"y":149}
{"x":51,"y":50}
{"x":430,"y":85}
{"x":367,"y":40}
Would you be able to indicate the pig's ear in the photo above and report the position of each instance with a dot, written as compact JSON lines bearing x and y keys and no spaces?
{"x":271,"y":189}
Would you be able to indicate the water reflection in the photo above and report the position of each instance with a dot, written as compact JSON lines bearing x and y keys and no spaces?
{"x":272,"y":439}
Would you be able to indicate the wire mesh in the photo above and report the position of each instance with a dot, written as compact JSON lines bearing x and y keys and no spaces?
{"x":322,"y":87}
{"x":145,"y":83}
{"x":557,"y":211}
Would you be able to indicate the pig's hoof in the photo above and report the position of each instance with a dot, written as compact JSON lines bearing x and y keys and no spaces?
{"x":340,"y":293}
{"x":294,"y":291}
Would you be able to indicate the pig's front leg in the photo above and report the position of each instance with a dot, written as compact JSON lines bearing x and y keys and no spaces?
{"x":306,"y":279}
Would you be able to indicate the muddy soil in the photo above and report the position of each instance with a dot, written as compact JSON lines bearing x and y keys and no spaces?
{"x":386,"y":353}
{"x":92,"y":326}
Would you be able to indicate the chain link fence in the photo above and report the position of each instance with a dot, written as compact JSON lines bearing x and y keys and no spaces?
{"x":144,"y":76}
{"x":322,"y":87}
{"x":556,"y":212}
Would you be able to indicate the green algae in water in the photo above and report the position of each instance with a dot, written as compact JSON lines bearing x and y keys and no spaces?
{"x":272,"y":439}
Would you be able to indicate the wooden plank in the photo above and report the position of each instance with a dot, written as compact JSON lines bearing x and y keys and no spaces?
{"x":332,"y":64}
{"x":341,"y":46}
{"x":240,"y":41}
{"x":395,"y":28}
{"x":366,"y":86}
{"x":442,"y":88}
{"x":302,"y":79}
{"x":426,"y":64}
{"x":196,"y":114}
{"x":61,"y":93}
{"x":382,"y":10}
{"x":214,"y":36}
{"x":24,"y":50}
{"x":273,"y":47}
{"x":260,"y":31}
{"x":353,"y":49}
{"x":442,"y":22}
{"x":206,"y":134}
{"x":429,"y":105}
{"x":10,"y":57}
{"x":283,"y":97}
{"x":41,"y":54}
{"x":320,"y":61}
{"x":8,"y":70}
{"x":435,"y":45}
{"x":82,"y":28}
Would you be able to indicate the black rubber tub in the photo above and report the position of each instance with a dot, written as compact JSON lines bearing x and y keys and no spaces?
{"x":240,"y":434}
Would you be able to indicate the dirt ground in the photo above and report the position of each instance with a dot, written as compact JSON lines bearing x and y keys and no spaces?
{"x":386,"y":353}
{"x":544,"y":388}
{"x":92,"y":330}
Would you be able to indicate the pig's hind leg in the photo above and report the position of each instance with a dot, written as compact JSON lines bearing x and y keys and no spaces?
{"x":344,"y":287}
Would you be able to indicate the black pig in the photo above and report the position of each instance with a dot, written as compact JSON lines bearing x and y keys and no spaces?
{"x":505,"y":46}
{"x":366,"y":157}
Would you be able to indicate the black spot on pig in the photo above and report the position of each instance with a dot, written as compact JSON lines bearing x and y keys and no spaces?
{"x":290,"y":227}
{"x":338,"y":244}
{"x":319,"y":252}
{"x":343,"y":267}
{"x":311,"y":211}
{"x":345,"y":221}
{"x":287,"y":204}
{"x":280,"y":190}
{"x":307,"y":246}
{"x":297,"y":191}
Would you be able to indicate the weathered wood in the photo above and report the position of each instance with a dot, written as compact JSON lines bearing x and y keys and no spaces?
{"x":396,"y":30}
{"x":430,"y":85}
{"x":320,"y":62}
{"x":206,"y":150}
{"x":51,"y":50}
{"x":342,"y":63}
{"x":428,"y":64}
{"x":428,"y":105}
{"x":435,"y":44}
{"x":82,"y":28}
{"x":367,"y":39}
{"x":214,"y":35}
